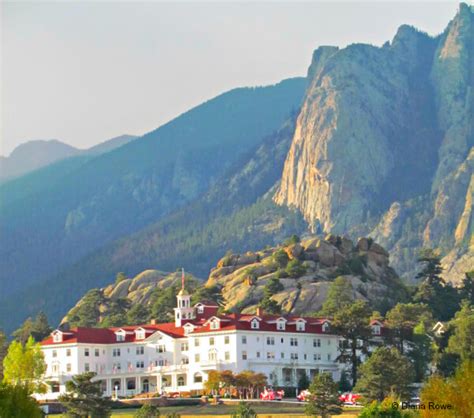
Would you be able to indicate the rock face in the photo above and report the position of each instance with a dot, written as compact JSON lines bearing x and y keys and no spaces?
{"x":383,"y":143}
{"x":366,"y":265}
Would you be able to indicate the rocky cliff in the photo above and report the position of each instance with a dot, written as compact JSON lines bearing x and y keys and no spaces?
{"x":383,"y":143}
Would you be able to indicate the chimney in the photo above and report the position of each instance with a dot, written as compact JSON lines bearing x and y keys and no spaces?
{"x":259,"y":311}
{"x":153,"y":322}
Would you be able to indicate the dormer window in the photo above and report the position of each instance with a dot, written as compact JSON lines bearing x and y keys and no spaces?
{"x":376,"y":329}
{"x":215,"y":324}
{"x":58,"y":337}
{"x":120,"y":337}
{"x":280,"y":325}
{"x":300,"y":326}
{"x":325,"y":327}
{"x":140,"y":334}
{"x":200,"y":309}
{"x":254,"y":324}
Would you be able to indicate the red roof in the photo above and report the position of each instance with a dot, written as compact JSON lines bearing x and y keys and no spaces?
{"x":202,"y":325}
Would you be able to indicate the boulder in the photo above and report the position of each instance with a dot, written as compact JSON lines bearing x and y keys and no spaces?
{"x":378,"y":249}
{"x":346,"y":246}
{"x":363,"y":244}
{"x":325,"y":252}
{"x":120,"y":290}
{"x":294,"y":251}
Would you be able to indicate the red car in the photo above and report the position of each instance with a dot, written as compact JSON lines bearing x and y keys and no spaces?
{"x":349,"y":398}
{"x":271,"y":395}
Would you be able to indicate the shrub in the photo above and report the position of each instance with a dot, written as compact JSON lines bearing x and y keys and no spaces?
{"x":295,"y":268}
{"x":147,"y":411}
{"x":244,"y":410}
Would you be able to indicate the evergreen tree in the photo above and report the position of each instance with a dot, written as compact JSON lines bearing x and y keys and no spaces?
{"x":421,"y":353}
{"x":324,"y":397}
{"x":208,"y":293}
{"x":41,"y":328}
{"x":402,"y":319}
{"x":462,"y":340}
{"x":386,"y":372}
{"x":344,"y":384}
{"x":340,"y":295}
{"x":352,"y":324}
{"x":273,"y":286}
{"x":466,"y":292}
{"x":87,"y":314}
{"x":84,"y":397}
{"x":24,"y":332}
{"x":280,"y":257}
{"x":138,"y":314}
{"x":295,"y":268}
{"x":24,"y":365}
{"x":441,"y":298}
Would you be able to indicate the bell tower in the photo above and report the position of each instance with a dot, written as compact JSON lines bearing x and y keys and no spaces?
{"x":183,"y":310}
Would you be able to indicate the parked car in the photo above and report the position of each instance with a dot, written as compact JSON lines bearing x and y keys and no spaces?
{"x":270,"y":394}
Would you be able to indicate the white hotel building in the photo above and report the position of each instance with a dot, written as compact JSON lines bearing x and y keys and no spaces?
{"x":176,"y":357}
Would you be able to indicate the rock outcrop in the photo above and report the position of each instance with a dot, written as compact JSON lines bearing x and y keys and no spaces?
{"x":383,"y":143}
{"x":243,"y":277}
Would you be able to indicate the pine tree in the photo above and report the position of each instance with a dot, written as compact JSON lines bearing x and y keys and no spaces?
{"x":84,"y":397}
{"x":340,"y":295}
{"x":324,"y":397}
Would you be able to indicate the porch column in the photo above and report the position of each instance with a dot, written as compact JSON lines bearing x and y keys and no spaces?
{"x":174,"y":381}
{"x":138,"y":388}
{"x":123,"y":386}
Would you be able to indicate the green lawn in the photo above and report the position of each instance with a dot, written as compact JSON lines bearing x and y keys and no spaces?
{"x":264,"y":410}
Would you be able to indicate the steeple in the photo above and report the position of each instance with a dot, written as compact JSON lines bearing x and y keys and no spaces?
{"x":183,"y":308}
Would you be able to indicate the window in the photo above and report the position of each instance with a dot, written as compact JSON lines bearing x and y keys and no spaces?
{"x":211,"y":340}
{"x":68,"y":367}
{"x":376,"y":330}
{"x":196,"y":342}
{"x":282,"y":355}
{"x":325,"y":327}
{"x":86,"y":352}
{"x":254,"y":324}
{"x":86,"y":367}
{"x":270,"y":355}
{"x":300,"y":326}
{"x":185,"y":360}
{"x":226,"y":339}
{"x":258,"y":354}
{"x":211,"y":355}
{"x":329,"y":357}
{"x":317,"y":342}
{"x":294,"y":356}
{"x":55,"y":353}
{"x":270,"y":340}
{"x":68,"y":352}
{"x":140,"y":334}
{"x":140,"y":350}
{"x":184,"y":347}
{"x":200,"y":309}
{"x":58,"y":337}
{"x":117,"y":367}
{"x":305,"y":356}
{"x":244,"y":355}
{"x":227,"y":355}
{"x":329,"y":342}
{"x":280,"y":325}
{"x":282,"y":340}
{"x":116,"y":352}
{"x":161,"y":348}
{"x":180,"y":381}
{"x":140,"y":364}
{"x":97,"y":352}
{"x":214,"y":324}
{"x":198,"y":378}
{"x":197,"y":358}
{"x":55,"y":388}
{"x":244,"y":339}
{"x":55,"y":368}
{"x":120,"y":337}
{"x":294,"y":341}
{"x":316,"y":356}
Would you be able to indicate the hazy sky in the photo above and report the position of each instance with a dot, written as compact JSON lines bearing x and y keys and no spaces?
{"x":85,"y":72}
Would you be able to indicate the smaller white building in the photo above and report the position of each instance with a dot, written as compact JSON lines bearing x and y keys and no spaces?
{"x":177,"y":357}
